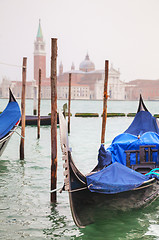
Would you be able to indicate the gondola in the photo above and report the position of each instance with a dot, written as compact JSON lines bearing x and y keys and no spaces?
{"x":9,"y":120}
{"x":31,"y":120}
{"x":126,"y":176}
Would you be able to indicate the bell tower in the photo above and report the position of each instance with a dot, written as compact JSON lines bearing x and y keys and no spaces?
{"x":39,"y":56}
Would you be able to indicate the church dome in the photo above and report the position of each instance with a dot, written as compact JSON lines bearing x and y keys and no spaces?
{"x":87,"y":65}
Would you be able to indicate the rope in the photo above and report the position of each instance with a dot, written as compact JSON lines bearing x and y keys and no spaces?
{"x":17,"y":133}
{"x":19,"y":127}
{"x":78,"y":189}
{"x":55,"y":190}
{"x":75,"y":190}
{"x":153,"y":172}
{"x":142,"y":187}
{"x":155,"y":169}
{"x":12,"y":65}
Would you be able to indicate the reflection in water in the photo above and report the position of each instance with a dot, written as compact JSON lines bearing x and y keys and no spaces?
{"x":133,"y":224}
{"x":61,"y":227}
{"x":3,"y":166}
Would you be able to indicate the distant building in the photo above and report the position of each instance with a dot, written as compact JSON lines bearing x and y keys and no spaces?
{"x":148,"y":88}
{"x":78,"y":91}
{"x":16,"y":87}
{"x":94,"y":79}
{"x":87,"y":82}
{"x":116,"y":88}
{"x":5,"y":85}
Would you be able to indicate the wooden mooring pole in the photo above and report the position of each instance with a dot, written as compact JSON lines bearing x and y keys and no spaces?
{"x":39,"y":100}
{"x":23,"y":108}
{"x":105,"y":97}
{"x":53,"y":118}
{"x":69,"y":102}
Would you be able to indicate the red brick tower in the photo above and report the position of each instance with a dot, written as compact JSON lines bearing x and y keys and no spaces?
{"x":39,"y":56}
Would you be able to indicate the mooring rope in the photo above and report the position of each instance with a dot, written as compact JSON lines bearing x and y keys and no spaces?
{"x":17,"y":133}
{"x":78,"y":189}
{"x":55,"y":190}
{"x":12,"y":65}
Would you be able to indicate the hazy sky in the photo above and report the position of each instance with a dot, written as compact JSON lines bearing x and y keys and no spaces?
{"x":126,"y":32}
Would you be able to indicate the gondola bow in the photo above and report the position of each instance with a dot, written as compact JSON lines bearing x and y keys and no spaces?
{"x":9,"y":120}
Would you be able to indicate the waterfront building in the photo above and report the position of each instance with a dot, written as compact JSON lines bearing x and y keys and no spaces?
{"x":16,"y":87}
{"x":78,"y":91}
{"x":149,"y":89}
{"x":94,"y":79}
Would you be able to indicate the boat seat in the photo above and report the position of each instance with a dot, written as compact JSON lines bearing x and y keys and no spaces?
{"x":144,"y":166}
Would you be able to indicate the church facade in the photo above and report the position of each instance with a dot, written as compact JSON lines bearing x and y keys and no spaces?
{"x":87,"y":78}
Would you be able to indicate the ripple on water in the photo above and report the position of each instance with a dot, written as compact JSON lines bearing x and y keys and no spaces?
{"x":25,"y":210}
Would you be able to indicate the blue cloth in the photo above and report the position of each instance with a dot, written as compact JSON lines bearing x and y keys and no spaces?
{"x":126,"y":141}
{"x":9,"y":117}
{"x":117,"y":177}
{"x":143,"y":122}
{"x":104,"y":157}
{"x":114,"y":179}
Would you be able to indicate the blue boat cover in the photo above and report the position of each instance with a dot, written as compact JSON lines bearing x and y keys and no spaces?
{"x":9,"y":117}
{"x":104,"y":157}
{"x":115,"y":176}
{"x":143,"y":122}
{"x":114,"y":179}
{"x":126,"y":141}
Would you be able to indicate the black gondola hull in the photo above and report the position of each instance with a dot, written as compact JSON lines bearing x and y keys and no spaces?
{"x":85,"y":205}
{"x":33,"y":120}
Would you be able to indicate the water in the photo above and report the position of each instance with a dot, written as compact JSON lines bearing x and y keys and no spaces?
{"x":25,"y":209}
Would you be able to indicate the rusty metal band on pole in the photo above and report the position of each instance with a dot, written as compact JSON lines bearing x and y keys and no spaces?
{"x":105,"y":101}
{"x":53,"y":117}
{"x":23,"y":108}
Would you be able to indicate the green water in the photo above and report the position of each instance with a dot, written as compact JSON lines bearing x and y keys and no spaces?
{"x":25,"y":210}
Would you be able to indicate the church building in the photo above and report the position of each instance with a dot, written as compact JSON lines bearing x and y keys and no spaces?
{"x":88,"y":77}
{"x":86,"y":82}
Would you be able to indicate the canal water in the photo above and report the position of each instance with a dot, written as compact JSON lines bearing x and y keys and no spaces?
{"x":25,"y":209}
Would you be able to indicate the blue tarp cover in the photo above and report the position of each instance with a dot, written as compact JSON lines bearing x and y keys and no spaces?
{"x":115,"y":176}
{"x":114,"y":179}
{"x":104,"y":157}
{"x":143,"y":122}
{"x":9,"y":117}
{"x":126,"y":141}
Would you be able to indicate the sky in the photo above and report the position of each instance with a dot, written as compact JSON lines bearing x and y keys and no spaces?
{"x":126,"y":32}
